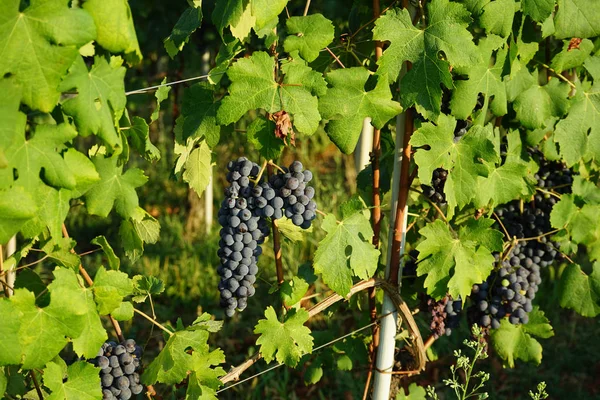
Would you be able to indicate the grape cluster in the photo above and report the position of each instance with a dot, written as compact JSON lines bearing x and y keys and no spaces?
{"x":436,"y":191}
{"x":508,"y":291}
{"x":243,"y":231}
{"x":552,"y":175}
{"x":294,"y":195}
{"x":244,"y":226}
{"x":445,"y":315}
{"x":119,"y":363}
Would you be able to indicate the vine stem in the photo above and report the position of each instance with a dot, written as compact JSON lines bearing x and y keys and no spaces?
{"x":335,"y":57}
{"x":36,"y":384}
{"x":306,"y":8}
{"x":155,"y":322}
{"x":276,"y":237}
{"x":375,"y":220}
{"x":6,"y":289}
{"x":90,"y":282}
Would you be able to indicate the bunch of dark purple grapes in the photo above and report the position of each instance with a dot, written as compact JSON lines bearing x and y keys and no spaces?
{"x":435,"y":191}
{"x":294,"y":195}
{"x":243,"y":215}
{"x":445,"y":315}
{"x":120,"y":363}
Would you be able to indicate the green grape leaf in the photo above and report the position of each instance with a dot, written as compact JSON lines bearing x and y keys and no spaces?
{"x":415,"y":392}
{"x":592,"y":65}
{"x":113,"y":261}
{"x":198,"y":168}
{"x":348,"y":88}
{"x":82,"y":169}
{"x":139,"y":134}
{"x":53,"y":207}
{"x":29,"y":156}
{"x":10,"y":345}
{"x":284,"y":341}
{"x":515,"y":342}
{"x":292,"y":232}
{"x":82,"y":382}
{"x":538,"y":10}
{"x":115,"y":188}
{"x":39,"y":44}
{"x":146,"y":226}
{"x":572,"y":57}
{"x":116,"y":32}
{"x":455,"y":262}
{"x":145,"y":286}
{"x":483,"y":78}
{"x":124,"y":312}
{"x":110,"y":287}
{"x":205,"y":321}
{"x":582,"y":223}
{"x":293,"y":290}
{"x":536,"y":105}
{"x":261,"y":134}
{"x":446,"y":32}
{"x":265,"y":11}
{"x":161,"y":94}
{"x":228,"y":50}
{"x":345,"y":252}
{"x":578,"y":135}
{"x":308,"y":35}
{"x":502,"y":184}
{"x":100,"y":98}
{"x":577,"y":18}
{"x":92,"y":333}
{"x":131,"y":241}
{"x":60,"y":249}
{"x":580,"y":291}
{"x":313,"y":374}
{"x":497,"y":17}
{"x":235,"y":14}
{"x":204,"y":380}
{"x":16,"y":208}
{"x":190,"y":20}
{"x":252,"y":86}
{"x":462,"y":159}
{"x":174,"y":362}
{"x":199,"y":110}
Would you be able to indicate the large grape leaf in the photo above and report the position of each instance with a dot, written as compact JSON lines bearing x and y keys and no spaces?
{"x":53,"y":207}
{"x":203,"y":381}
{"x":454,"y":262}
{"x":10,"y":345}
{"x":83,"y":171}
{"x":261,"y":133}
{"x":571,"y":57}
{"x":100,"y":98}
{"x":538,"y":10}
{"x":116,"y":32}
{"x":243,"y":15}
{"x":347,"y":103}
{"x":580,"y":291}
{"x":115,"y":187}
{"x":536,"y":106}
{"x":174,"y":362}
{"x":578,"y":135}
{"x":577,"y":18}
{"x":308,"y":35}
{"x":515,"y":342}
{"x":198,"y":168}
{"x":187,"y":24}
{"x":483,"y":77}
{"x":463,"y":159}
{"x":252,"y":86}
{"x":497,"y":17}
{"x":346,"y":251}
{"x":581,"y":222}
{"x":39,"y":44}
{"x":82,"y":381}
{"x":199,"y":111}
{"x":284,"y":341}
{"x":12,"y":127}
{"x":16,"y":208}
{"x":445,"y":32}
{"x":110,"y":287}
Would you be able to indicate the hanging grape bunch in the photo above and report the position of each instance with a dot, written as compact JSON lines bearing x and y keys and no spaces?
{"x":243,"y":218}
{"x":436,"y":191}
{"x":120,"y":363}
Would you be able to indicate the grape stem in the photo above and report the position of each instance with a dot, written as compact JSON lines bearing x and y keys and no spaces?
{"x":437,"y":208}
{"x":501,"y":224}
{"x":36,"y":384}
{"x":548,"y":192}
{"x":277,"y":167}
{"x":306,"y":8}
{"x":158,"y":324}
{"x":260,"y":173}
{"x":335,"y":57}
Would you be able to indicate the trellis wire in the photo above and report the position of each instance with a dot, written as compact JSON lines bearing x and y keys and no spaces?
{"x":314,"y":350}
